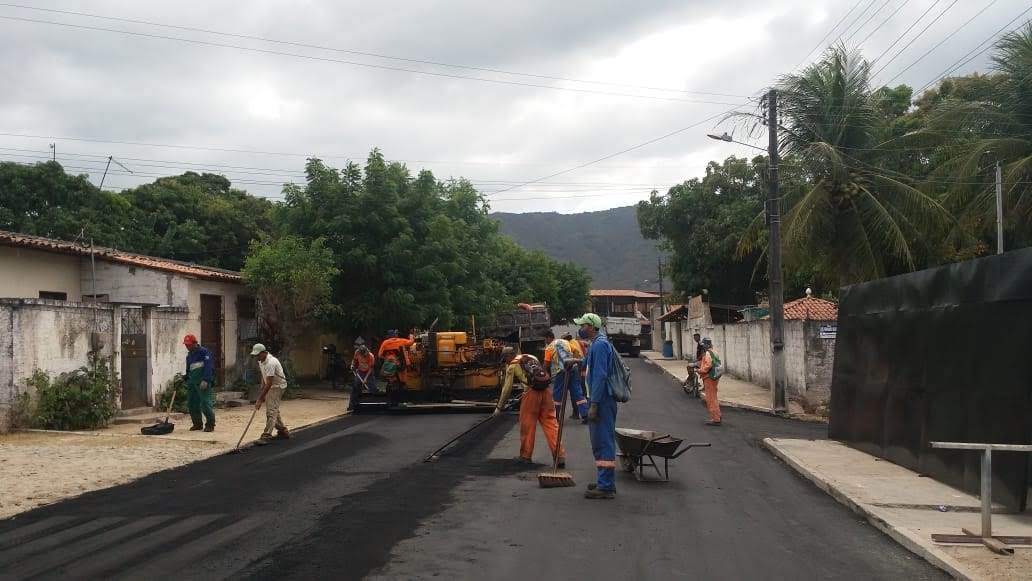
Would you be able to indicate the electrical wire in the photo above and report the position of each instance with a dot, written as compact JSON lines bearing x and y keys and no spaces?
{"x":913,"y":40}
{"x":357,"y":63}
{"x":866,"y":22}
{"x":883,"y":23}
{"x":941,"y":42}
{"x":820,"y":43}
{"x":360,"y":52}
{"x":855,"y":20}
{"x":906,"y":32}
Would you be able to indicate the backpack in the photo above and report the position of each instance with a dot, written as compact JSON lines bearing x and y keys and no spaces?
{"x":619,"y":378}
{"x":717,"y":371}
{"x":391,"y":364}
{"x":536,"y":374}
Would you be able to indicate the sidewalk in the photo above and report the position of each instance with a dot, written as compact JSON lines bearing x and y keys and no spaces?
{"x":908,"y":507}
{"x":42,"y":467}
{"x":734,"y":393}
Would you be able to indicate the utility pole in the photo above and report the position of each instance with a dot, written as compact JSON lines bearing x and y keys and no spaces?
{"x":777,"y":306}
{"x":53,"y":148}
{"x":662,"y":305}
{"x":999,"y":208}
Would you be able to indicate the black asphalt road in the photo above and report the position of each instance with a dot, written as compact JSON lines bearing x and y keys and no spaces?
{"x":352,"y":499}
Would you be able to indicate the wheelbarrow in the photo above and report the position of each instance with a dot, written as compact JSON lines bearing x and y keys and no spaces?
{"x":640,"y":449}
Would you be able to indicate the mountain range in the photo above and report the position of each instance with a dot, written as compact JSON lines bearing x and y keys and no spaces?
{"x":608,"y":244}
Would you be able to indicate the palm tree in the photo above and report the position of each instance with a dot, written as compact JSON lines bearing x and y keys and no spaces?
{"x":978,"y":133}
{"x":848,"y":216}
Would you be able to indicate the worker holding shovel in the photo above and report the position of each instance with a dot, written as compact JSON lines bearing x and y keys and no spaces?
{"x":363,"y":368}
{"x":274,"y":383}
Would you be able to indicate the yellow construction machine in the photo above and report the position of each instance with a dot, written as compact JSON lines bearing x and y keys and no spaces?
{"x":444,"y":370}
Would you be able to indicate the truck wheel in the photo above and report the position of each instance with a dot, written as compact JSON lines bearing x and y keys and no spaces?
{"x":634,"y":351}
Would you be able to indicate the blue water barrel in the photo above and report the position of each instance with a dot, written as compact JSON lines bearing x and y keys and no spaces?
{"x":668,"y":348}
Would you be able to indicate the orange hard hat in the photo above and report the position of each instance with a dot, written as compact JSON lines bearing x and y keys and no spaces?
{"x":189,"y":340}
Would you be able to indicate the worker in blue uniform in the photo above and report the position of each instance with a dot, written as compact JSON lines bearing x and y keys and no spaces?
{"x":602,"y":410}
{"x":200,"y":384}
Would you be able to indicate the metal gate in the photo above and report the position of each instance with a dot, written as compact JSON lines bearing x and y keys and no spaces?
{"x":212,"y":321}
{"x":134,"y":358}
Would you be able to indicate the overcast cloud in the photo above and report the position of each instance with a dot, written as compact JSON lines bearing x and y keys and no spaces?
{"x":66,"y":82}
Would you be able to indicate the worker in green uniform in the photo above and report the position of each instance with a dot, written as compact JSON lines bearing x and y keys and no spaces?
{"x":200,"y":385}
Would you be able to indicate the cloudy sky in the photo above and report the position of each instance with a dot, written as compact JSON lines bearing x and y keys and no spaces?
{"x":502,"y":93}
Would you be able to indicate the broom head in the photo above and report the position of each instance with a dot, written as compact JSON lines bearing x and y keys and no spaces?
{"x":555,"y":479}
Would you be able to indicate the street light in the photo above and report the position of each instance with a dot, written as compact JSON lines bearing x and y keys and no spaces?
{"x":727,"y":138}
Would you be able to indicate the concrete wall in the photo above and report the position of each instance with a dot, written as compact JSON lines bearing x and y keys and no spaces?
{"x":745,"y":351}
{"x":55,"y":336}
{"x":25,"y":272}
{"x":123,"y":283}
{"x":166,"y":355}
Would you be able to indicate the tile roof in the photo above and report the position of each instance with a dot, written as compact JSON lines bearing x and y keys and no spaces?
{"x":113,"y":255}
{"x":623,"y":293}
{"x":810,"y":309}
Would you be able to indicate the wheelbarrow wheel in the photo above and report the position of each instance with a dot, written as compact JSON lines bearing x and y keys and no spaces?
{"x":627,"y":462}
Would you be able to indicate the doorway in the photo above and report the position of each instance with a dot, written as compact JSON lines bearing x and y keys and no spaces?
{"x":134,"y":358}
{"x":212,"y":323}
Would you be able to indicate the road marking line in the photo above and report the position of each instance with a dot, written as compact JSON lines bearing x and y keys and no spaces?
{"x":86,"y":546}
{"x":192,"y":551}
{"x":13,"y":554}
{"x":11,"y":536}
{"x":116,"y":556}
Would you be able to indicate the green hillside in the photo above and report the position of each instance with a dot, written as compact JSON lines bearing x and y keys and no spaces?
{"x":607,"y":243}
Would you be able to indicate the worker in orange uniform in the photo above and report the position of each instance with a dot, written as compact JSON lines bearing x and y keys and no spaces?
{"x":711,"y":369}
{"x":536,"y":406}
{"x":394,"y":363}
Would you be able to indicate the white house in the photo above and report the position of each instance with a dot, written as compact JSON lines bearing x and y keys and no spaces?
{"x":59,"y":300}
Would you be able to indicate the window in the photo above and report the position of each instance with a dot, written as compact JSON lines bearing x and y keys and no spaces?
{"x":53,"y":295}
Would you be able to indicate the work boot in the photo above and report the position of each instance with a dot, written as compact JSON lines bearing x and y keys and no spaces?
{"x":196,"y":427}
{"x":210,"y":427}
{"x":283,"y":434}
{"x":562,"y":463}
{"x":263,"y":440}
{"x":712,"y":423}
{"x":523,"y":460}
{"x":595,"y":493}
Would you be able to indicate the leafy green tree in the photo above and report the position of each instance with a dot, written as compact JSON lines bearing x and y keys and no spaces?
{"x":855,"y":219}
{"x":291,"y":279}
{"x":978,"y":121}
{"x":702,"y":222}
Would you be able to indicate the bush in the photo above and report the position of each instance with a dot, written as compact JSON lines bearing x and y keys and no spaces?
{"x":82,"y":399}
{"x":178,"y":385}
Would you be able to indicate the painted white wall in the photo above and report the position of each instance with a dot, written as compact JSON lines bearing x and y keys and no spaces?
{"x":124,"y":283}
{"x":24,"y":272}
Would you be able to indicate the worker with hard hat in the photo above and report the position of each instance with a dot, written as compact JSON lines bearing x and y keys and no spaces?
{"x":602,"y":411}
{"x":274,"y":384}
{"x":200,"y":385}
{"x":536,"y":405}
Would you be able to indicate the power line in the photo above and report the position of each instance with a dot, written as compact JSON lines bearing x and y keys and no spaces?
{"x":883,"y":23}
{"x":357,"y":63}
{"x":972,"y":53}
{"x":820,"y":43}
{"x":866,"y":22}
{"x":942,"y":42}
{"x":855,"y":20}
{"x":906,"y":32}
{"x":913,"y":40}
{"x":362,"y":53}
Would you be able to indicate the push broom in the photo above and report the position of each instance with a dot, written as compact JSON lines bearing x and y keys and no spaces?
{"x":555,"y":478}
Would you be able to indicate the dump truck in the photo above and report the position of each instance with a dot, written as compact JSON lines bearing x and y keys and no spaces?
{"x":625,"y":334}
{"x":524,"y":326}
{"x":446,"y":370}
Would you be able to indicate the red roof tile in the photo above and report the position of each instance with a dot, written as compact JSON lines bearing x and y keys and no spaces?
{"x":113,"y":255}
{"x":810,"y":309}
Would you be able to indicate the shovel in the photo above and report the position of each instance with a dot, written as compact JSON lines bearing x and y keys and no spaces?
{"x":161,"y":428}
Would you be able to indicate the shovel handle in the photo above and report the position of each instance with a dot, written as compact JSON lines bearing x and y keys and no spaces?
{"x":246,"y":428}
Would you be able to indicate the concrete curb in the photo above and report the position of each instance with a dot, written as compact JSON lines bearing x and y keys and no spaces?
{"x":903,"y":537}
{"x":742,"y":406}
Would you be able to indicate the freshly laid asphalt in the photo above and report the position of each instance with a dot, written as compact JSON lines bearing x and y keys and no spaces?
{"x":353,"y":499}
